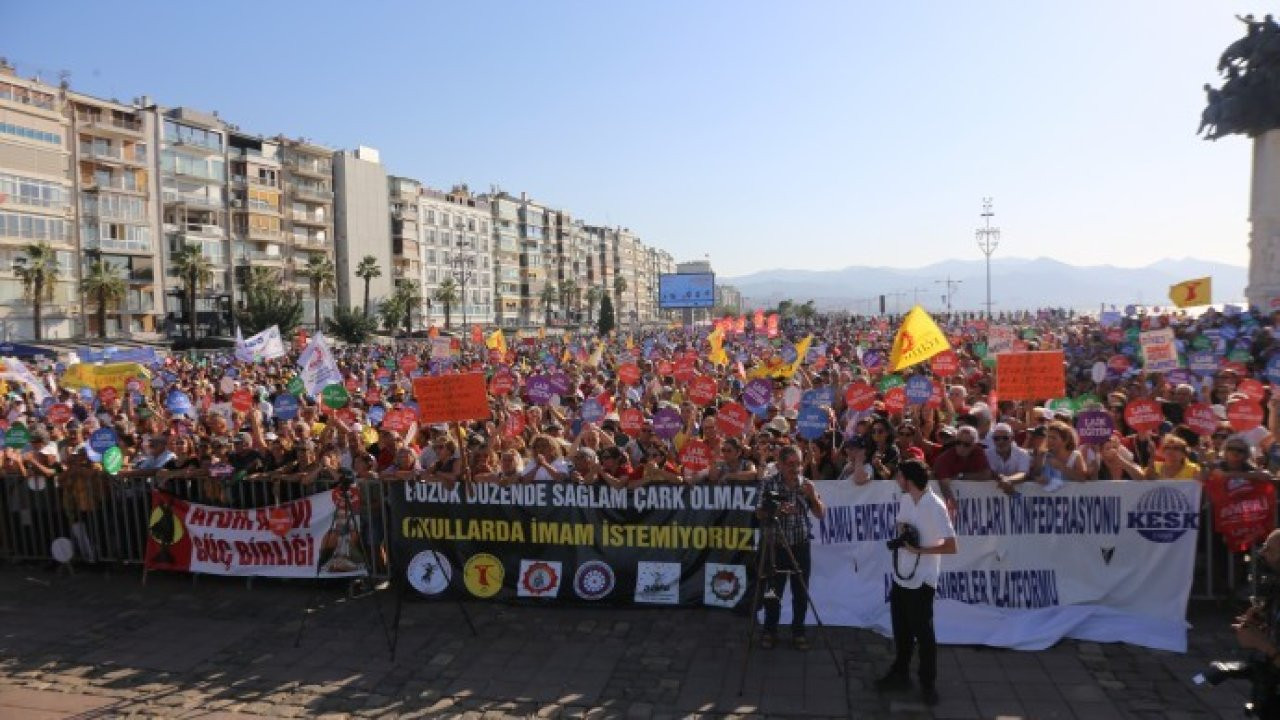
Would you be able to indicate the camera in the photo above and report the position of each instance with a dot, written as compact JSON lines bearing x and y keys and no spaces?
{"x":1263,"y":676}
{"x":770,"y":500}
{"x":908,"y":535}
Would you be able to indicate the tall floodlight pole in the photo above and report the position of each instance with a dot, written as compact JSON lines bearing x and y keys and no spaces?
{"x":951,"y":286}
{"x":988,"y":241}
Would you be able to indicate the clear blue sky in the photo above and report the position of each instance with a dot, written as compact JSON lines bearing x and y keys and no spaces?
{"x":800,"y":135}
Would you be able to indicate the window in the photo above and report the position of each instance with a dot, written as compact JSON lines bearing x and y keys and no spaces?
{"x":431,"y":217}
{"x":38,"y":193}
{"x":30,"y":133}
{"x":29,"y":227}
{"x":188,"y":135}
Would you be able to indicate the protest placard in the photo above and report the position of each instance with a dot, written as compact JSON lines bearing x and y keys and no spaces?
{"x":1030,"y":375}
{"x":451,"y":398}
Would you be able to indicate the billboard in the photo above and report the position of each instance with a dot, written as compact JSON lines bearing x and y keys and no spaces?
{"x":686,"y":290}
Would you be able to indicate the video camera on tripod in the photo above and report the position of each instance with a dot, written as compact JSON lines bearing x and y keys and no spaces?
{"x":770,"y":502}
{"x":1261,"y":672}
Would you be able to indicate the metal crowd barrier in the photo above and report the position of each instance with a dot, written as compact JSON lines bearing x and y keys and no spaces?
{"x":106,"y":518}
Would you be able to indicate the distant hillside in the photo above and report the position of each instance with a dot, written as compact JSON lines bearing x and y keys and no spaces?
{"x":1016,"y":283}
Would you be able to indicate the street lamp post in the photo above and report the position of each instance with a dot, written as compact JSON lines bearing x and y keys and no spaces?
{"x":988,"y":241}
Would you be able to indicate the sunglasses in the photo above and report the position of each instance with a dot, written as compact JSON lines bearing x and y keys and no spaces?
{"x":1001,"y":438}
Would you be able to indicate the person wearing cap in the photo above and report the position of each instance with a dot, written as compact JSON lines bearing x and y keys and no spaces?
{"x":1009,"y":463}
{"x":964,"y":460}
{"x":799,"y":499}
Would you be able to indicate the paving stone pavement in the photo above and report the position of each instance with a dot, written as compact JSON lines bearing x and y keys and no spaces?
{"x":98,"y":645}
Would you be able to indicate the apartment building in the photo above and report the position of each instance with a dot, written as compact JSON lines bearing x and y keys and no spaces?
{"x":456,"y":243}
{"x":362,"y":224}
{"x":406,"y":241}
{"x":308,"y":215}
{"x":256,"y":192}
{"x":116,"y":189}
{"x":36,"y":205}
{"x":505,"y":214}
{"x":193,"y":190}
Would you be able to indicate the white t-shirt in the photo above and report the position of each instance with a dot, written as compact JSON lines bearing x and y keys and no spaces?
{"x":929,"y":516}
{"x":1019,"y":461}
{"x":560,"y":464}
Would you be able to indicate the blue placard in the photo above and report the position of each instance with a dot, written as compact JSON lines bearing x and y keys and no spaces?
{"x":86,"y":394}
{"x":285,"y":406}
{"x":788,"y":353}
{"x":592,"y":410}
{"x":376,"y":413}
{"x":46,"y":404}
{"x":819,"y":396}
{"x":103,"y":438}
{"x":178,"y":402}
{"x":919,"y":389}
{"x":1273,"y":369}
{"x":872,"y":359}
{"x":812,"y":422}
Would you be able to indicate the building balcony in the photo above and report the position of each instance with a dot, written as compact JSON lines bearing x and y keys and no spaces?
{"x":198,"y":230}
{"x":309,"y":241}
{"x":96,"y":184}
{"x":252,"y":155}
{"x":139,"y":247}
{"x":309,"y":168}
{"x":108,"y":125}
{"x":257,"y":256}
{"x":193,"y":146}
{"x":308,"y":192}
{"x":197,"y":177}
{"x":113,"y":157}
{"x":199,"y":202}
{"x":313,"y":219}
{"x":263,"y":235}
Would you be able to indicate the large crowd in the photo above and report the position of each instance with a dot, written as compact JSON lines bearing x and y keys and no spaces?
{"x":671,"y":406}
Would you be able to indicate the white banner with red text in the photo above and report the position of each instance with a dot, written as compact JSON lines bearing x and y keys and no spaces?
{"x":315,"y":536}
{"x":1100,"y":561}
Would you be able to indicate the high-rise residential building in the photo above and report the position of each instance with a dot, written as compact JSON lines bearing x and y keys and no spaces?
{"x":505,"y":214}
{"x":728,"y":297}
{"x":193,"y":188}
{"x":116,"y":189}
{"x":572,"y":274}
{"x":36,"y":204}
{"x":362,"y":224}
{"x":309,"y":216}
{"x":456,"y":243}
{"x":406,"y":237}
{"x":256,"y":193}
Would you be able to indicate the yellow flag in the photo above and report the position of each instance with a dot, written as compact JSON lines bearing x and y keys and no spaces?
{"x":917,"y":340}
{"x":717,"y":355}
{"x":542,"y":333}
{"x":1191,"y":293}
{"x":594,"y":360}
{"x":497,"y":341}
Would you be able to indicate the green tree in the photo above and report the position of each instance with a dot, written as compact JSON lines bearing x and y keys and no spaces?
{"x":352,"y":326}
{"x":104,"y":284}
{"x":785,"y":308}
{"x":593,"y":298}
{"x":569,"y":296}
{"x":619,"y":287}
{"x":606,"y":315}
{"x":267,"y":302}
{"x":367,"y":270}
{"x":409,"y":295}
{"x":807,"y":311}
{"x":322,"y":277}
{"x":548,"y":298}
{"x":392,"y":313}
{"x":195,"y":271}
{"x":448,"y":296}
{"x":38,"y":270}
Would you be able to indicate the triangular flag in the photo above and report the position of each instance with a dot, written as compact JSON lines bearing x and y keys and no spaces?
{"x":1191,"y":293}
{"x":917,"y":340}
{"x":497,"y":341}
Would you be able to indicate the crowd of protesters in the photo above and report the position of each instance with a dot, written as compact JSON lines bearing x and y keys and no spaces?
{"x":609,"y":416}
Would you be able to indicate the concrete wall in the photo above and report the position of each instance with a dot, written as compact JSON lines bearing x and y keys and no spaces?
{"x":362,"y":226}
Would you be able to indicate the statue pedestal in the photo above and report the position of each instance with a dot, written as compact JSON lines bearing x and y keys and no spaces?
{"x":1263,"y":290}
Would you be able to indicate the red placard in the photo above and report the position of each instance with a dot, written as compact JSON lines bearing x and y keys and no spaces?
{"x":514,"y":424}
{"x":1143,"y":415}
{"x":1244,"y":511}
{"x":1200,"y":417}
{"x":632,"y":421}
{"x":242,"y":400}
{"x":398,"y":420}
{"x":1119,"y":363}
{"x":108,"y":395}
{"x":408,"y":364}
{"x":495,"y":356}
{"x":685,"y":369}
{"x":373,"y":395}
{"x":451,"y":398}
{"x":477,"y":335}
{"x":346,"y":415}
{"x":1244,"y":415}
{"x":935,"y":397}
{"x":1030,"y":375}
{"x":945,"y":363}
{"x":352,"y":385}
{"x":1115,"y":335}
{"x":695,"y":456}
{"x":860,"y":396}
{"x":629,"y":373}
{"x":665,"y":367}
{"x":733,"y":419}
{"x":59,"y":413}
{"x":502,"y":383}
{"x":702,"y":390}
{"x":895,"y":400}
{"x":1254,"y":389}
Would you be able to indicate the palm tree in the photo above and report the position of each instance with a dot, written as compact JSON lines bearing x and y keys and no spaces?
{"x":260,"y":277}
{"x":619,"y":287}
{"x":367,"y":270}
{"x":195,"y":270}
{"x":447,"y":295}
{"x":104,"y":284}
{"x":548,"y":297}
{"x":322,"y":277}
{"x":593,"y":298}
{"x":409,"y":295}
{"x":569,"y":295}
{"x":38,"y":270}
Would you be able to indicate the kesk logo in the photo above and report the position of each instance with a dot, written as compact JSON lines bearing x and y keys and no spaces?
{"x":429,"y":572}
{"x":538,"y":578}
{"x":725,"y":584}
{"x":658,"y":582}
{"x":593,"y":580}
{"x":1163,"y":515}
{"x":483,"y":575}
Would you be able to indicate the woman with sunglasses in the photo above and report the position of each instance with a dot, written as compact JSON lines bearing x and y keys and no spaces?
{"x":882,"y":452}
{"x":1059,"y":462}
{"x":734,"y":466}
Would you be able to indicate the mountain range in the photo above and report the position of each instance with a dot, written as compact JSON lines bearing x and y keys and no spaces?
{"x":1016,"y":284}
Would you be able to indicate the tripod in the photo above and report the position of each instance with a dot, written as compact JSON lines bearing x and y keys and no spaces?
{"x":348,"y":529}
{"x":766,"y":569}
